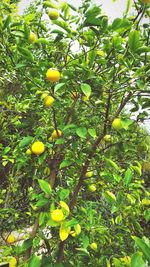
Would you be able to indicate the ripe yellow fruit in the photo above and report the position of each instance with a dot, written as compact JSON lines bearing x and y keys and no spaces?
{"x":56,"y":134}
{"x":11,"y":239}
{"x":92,"y":188}
{"x":100,"y":53}
{"x":73,"y":233}
{"x":32,"y":37}
{"x":107,"y":138}
{"x":117,"y":124}
{"x":145,"y":1}
{"x":88,"y":174}
{"x":28,"y":151}
{"x":12,"y":262}
{"x":93,"y":246}
{"x":53,"y":14}
{"x":53,"y":75}
{"x":38,"y":148}
{"x":57,"y":215}
{"x":48,"y":101}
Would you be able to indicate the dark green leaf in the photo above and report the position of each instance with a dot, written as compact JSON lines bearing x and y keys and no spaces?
{"x":128,"y":176}
{"x":137,"y":260}
{"x":35,"y":261}
{"x":134,"y":40}
{"x":25,"y":141}
{"x":143,"y":246}
{"x":81,"y":132}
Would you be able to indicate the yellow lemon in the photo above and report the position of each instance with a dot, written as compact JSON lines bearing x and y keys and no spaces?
{"x":12,"y":262}
{"x":11,"y":239}
{"x":93,"y":246}
{"x":57,"y":215}
{"x":92,"y":188}
{"x":107,"y":138}
{"x":117,"y":124}
{"x":56,"y":134}
{"x":32,"y":37}
{"x":53,"y":75}
{"x":38,"y":148}
{"x":101,"y":53}
{"x":53,"y":14}
{"x":88,"y":174}
{"x":28,"y":151}
{"x":48,"y":101}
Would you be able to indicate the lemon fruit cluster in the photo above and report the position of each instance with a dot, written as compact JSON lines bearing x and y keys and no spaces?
{"x":53,"y":75}
{"x":48,"y":101}
{"x":38,"y":148}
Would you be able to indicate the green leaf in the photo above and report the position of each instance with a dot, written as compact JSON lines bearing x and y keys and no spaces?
{"x":134,"y":40}
{"x":35,"y":261}
{"x":143,"y":246}
{"x":7,"y":22}
{"x":143,"y":49}
{"x":92,"y":132}
{"x":25,"y":141}
{"x":119,"y":24}
{"x":26,"y":244}
{"x":26,"y":53}
{"x":45,"y":186}
{"x":42,"y":202}
{"x":128,"y":176}
{"x":86,"y":89}
{"x":112,"y":163}
{"x":81,"y":132}
{"x":64,"y":193}
{"x":65,"y":163}
{"x":58,"y":86}
{"x":137,"y":260}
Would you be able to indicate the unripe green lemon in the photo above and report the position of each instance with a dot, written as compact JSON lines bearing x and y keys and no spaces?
{"x":107,"y":138}
{"x":53,"y":14}
{"x":32,"y":38}
{"x":89,"y":174}
{"x":28,"y":151}
{"x":117,"y":124}
{"x":92,"y":188}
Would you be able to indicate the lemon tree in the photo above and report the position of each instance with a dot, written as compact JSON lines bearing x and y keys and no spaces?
{"x":74,"y":96}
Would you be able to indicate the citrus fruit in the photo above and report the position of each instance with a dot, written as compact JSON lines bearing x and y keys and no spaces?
{"x":10,"y":239}
{"x":92,"y":188}
{"x":107,"y":138}
{"x":56,"y":134}
{"x":88,"y":174}
{"x":117,"y":124}
{"x":57,"y":215}
{"x":38,"y":148}
{"x":12,"y":262}
{"x":48,"y":101}
{"x":28,"y":151}
{"x":32,"y":38}
{"x":53,"y":75}
{"x":93,"y":246}
{"x":53,"y":14}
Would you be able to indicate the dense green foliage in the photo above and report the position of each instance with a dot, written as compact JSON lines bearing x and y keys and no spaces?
{"x":102,"y":81}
